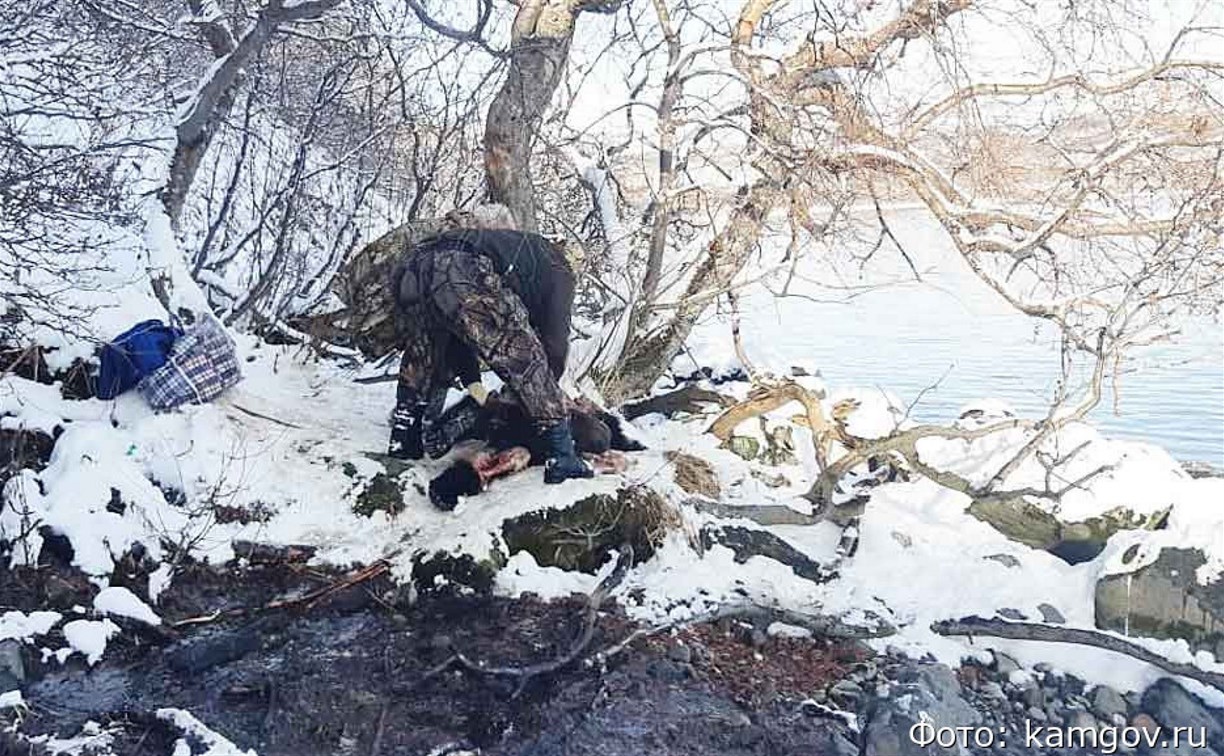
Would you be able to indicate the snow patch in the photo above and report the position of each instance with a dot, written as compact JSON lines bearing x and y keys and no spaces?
{"x":23,"y":627}
{"x":214,"y":743}
{"x":523,"y":575}
{"x":89,"y":638}
{"x":121,"y":602}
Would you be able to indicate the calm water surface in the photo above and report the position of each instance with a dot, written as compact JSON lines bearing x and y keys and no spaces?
{"x":953,"y":331}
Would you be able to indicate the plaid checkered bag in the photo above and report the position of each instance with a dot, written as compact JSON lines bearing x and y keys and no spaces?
{"x":202,"y":364}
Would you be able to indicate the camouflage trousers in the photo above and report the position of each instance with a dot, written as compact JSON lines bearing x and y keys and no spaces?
{"x":452,"y":306}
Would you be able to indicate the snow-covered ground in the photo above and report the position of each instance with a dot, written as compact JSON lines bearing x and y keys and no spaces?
{"x":293,"y":439}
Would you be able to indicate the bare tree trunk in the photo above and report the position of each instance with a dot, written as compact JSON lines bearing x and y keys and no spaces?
{"x":647,"y":358}
{"x":539,"y":48}
{"x":661,"y":208}
{"x":218,"y":89}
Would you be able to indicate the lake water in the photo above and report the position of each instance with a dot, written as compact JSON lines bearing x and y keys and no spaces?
{"x":953,"y":331}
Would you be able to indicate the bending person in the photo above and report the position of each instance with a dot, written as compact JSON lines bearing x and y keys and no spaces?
{"x":503,"y":296}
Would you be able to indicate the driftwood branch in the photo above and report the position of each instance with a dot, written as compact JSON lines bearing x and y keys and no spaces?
{"x":687,"y":399}
{"x":307,"y":600}
{"x":1032,"y":631}
{"x":769,"y":398}
{"x":524,"y":675}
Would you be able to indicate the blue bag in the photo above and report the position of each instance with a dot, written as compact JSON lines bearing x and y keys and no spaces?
{"x":133,"y":354}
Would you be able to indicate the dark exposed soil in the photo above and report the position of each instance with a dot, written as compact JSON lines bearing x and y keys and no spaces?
{"x":353,"y":673}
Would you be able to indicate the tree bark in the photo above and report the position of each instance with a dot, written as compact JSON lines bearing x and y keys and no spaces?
{"x":218,"y":89}
{"x":539,"y":49}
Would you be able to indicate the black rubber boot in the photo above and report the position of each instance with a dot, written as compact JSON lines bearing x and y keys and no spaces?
{"x":406,"y":432}
{"x":561,"y":460}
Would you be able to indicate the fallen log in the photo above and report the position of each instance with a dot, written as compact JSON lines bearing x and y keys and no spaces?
{"x":690,"y":399}
{"x":1033,"y":631}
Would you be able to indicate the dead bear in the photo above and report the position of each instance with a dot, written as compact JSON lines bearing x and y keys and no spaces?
{"x":508,"y":431}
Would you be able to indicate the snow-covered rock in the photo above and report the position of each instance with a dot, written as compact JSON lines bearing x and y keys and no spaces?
{"x":89,"y":637}
{"x":121,"y":602}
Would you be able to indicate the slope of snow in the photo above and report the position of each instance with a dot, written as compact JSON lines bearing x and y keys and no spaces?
{"x":295,"y":439}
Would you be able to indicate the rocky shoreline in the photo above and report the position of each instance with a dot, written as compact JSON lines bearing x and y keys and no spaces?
{"x":359,"y":673}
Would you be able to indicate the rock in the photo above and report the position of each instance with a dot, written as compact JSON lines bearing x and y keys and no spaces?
{"x":846,"y":693}
{"x":24,"y":448}
{"x":1021,"y":520}
{"x":1164,"y":600}
{"x":992,"y":689}
{"x":750,"y":542}
{"x":1033,"y":696}
{"x":779,"y":446}
{"x":680,"y":653}
{"x":1007,"y":560}
{"x":1202,"y":470}
{"x":11,"y":662}
{"x":636,"y":515}
{"x":1107,"y":702}
{"x":1012,"y":614}
{"x":1172,"y":706}
{"x":1081,"y":720}
{"x":694,"y":475}
{"x":1037,"y":714}
{"x":1004,"y":664}
{"x":744,"y":447}
{"x":1051,"y":615}
{"x":443,"y":573}
{"x":932,"y":689}
{"x":381,"y":494}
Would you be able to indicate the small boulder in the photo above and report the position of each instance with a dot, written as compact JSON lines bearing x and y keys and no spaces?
{"x":1106,"y":702}
{"x":744,"y":447}
{"x":580,"y":536}
{"x":1172,"y":706}
{"x":1164,"y":600}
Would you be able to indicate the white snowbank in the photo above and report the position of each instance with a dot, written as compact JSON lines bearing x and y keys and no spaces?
{"x":294,"y":440}
{"x":121,"y":602}
{"x":11,"y":700}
